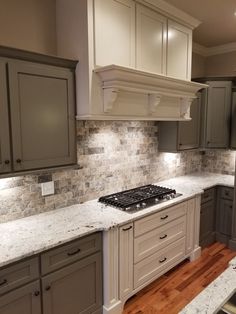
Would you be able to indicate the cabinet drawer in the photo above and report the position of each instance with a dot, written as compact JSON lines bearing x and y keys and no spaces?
{"x":153,"y":265}
{"x":227,"y":193}
{"x":156,"y":220}
{"x":14,"y":276}
{"x":159,"y":238}
{"x":69,"y":253}
{"x":208,"y":195}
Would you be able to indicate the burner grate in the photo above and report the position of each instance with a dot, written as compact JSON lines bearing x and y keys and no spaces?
{"x":137,"y":196}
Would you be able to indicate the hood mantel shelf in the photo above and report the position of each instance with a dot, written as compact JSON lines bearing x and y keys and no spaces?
{"x":160,"y":91}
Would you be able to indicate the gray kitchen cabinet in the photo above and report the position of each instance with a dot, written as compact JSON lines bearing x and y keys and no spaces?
{"x":5,"y":155}
{"x":74,"y":289}
{"x":184,"y":135}
{"x":215,"y":116}
{"x":24,"y":300}
{"x":224,"y":214}
{"x":233,"y":120}
{"x":207,"y":218}
{"x":37,"y":111}
{"x":42,"y":115}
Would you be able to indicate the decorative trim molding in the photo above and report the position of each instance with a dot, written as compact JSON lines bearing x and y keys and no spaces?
{"x":172,"y":12}
{"x":160,"y":90}
{"x":211,"y":51}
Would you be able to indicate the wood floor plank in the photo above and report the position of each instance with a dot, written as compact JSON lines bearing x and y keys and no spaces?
{"x":172,"y":291}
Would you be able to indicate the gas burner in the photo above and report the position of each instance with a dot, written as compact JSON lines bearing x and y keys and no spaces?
{"x":139,"y":198}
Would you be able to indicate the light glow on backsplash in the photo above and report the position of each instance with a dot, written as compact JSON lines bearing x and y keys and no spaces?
{"x":170,"y":157}
{"x":4,"y":183}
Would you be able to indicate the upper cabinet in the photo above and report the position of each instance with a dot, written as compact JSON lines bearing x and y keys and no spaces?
{"x":148,"y":44}
{"x":233,"y":119}
{"x":151,"y":40}
{"x":5,"y":154}
{"x":184,"y":135}
{"x":37,"y":112}
{"x":179,"y":51}
{"x":216,"y":112}
{"x":114,"y":19}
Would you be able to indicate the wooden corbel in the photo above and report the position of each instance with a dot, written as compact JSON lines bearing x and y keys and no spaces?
{"x":185,"y":104}
{"x":110,"y":95}
{"x":153,"y":102}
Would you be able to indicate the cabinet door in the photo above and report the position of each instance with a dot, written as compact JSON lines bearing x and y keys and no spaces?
{"x":5,"y":156}
{"x":179,"y":51}
{"x":126,"y":259}
{"x":42,"y":115}
{"x":218,"y":114}
{"x":151,"y":40}
{"x":207,"y":222}
{"x":189,"y":136}
{"x":225,"y":217}
{"x":74,"y":289}
{"x":233,"y":121}
{"x":25,"y":300}
{"x":114,"y":26}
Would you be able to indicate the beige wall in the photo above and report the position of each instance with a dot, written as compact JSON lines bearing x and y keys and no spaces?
{"x":221,"y":65}
{"x":198,"y":65}
{"x":28,"y":24}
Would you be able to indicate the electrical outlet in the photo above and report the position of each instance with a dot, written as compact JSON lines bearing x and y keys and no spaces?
{"x":47,"y":188}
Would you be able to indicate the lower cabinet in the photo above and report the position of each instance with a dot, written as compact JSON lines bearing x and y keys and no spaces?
{"x":24,"y":300}
{"x":207,"y":218}
{"x":75,"y":288}
{"x":224,"y":213}
{"x":69,"y":281}
{"x":216,"y":215}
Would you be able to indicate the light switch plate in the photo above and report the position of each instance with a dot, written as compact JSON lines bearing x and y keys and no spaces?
{"x":48,"y":188}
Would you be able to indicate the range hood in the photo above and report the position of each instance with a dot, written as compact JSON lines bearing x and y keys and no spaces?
{"x":133,"y":94}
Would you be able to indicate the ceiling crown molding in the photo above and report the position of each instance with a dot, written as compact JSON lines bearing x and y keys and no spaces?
{"x":211,"y":51}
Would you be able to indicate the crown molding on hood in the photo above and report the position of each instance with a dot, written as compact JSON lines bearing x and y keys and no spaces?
{"x":162,"y":93}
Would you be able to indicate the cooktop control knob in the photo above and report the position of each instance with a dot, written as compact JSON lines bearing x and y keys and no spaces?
{"x":144,"y":204}
{"x":138,"y":206}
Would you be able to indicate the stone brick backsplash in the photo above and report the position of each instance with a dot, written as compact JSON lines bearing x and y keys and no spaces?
{"x":114,"y":156}
{"x":219,"y":161}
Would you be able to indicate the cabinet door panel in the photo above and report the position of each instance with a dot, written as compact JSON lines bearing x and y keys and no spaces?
{"x":207,"y":220}
{"x":179,"y":51}
{"x":233,"y":121}
{"x":114,"y":32}
{"x":151,"y":40}
{"x":225,"y":217}
{"x":74,"y":289}
{"x":25,"y":300}
{"x":189,"y":136}
{"x":5,"y":156}
{"x":218,"y":114}
{"x":42,"y":115}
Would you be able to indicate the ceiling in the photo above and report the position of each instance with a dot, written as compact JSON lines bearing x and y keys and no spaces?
{"x":218,"y":20}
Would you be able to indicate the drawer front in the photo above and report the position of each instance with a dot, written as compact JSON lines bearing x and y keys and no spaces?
{"x":14,"y":276}
{"x":208,"y":195}
{"x":159,"y":219}
{"x":149,"y":268}
{"x":227,"y":193}
{"x":66,"y":254}
{"x":159,"y":238}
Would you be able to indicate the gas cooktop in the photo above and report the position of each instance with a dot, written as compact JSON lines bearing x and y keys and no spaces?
{"x":139,"y":198}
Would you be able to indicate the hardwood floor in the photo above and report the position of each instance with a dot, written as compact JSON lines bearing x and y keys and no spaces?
{"x":172,"y":291}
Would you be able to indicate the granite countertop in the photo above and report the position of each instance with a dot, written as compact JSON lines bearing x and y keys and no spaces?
{"x":210,"y":300}
{"x":28,"y":236}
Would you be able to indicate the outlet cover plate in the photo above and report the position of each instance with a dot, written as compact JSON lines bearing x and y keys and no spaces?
{"x":48,"y":188}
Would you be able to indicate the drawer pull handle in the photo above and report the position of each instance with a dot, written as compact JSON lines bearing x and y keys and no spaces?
{"x":126,"y":229}
{"x":227,"y":193}
{"x":3,"y":282}
{"x":37,"y":293}
{"x":163,"y":237}
{"x":48,"y":288}
{"x":73,"y":253}
{"x":164,"y":217}
{"x":162,"y":260}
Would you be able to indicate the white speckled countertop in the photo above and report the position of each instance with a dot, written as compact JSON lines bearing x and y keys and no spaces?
{"x":210,"y":300}
{"x":28,"y":236}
